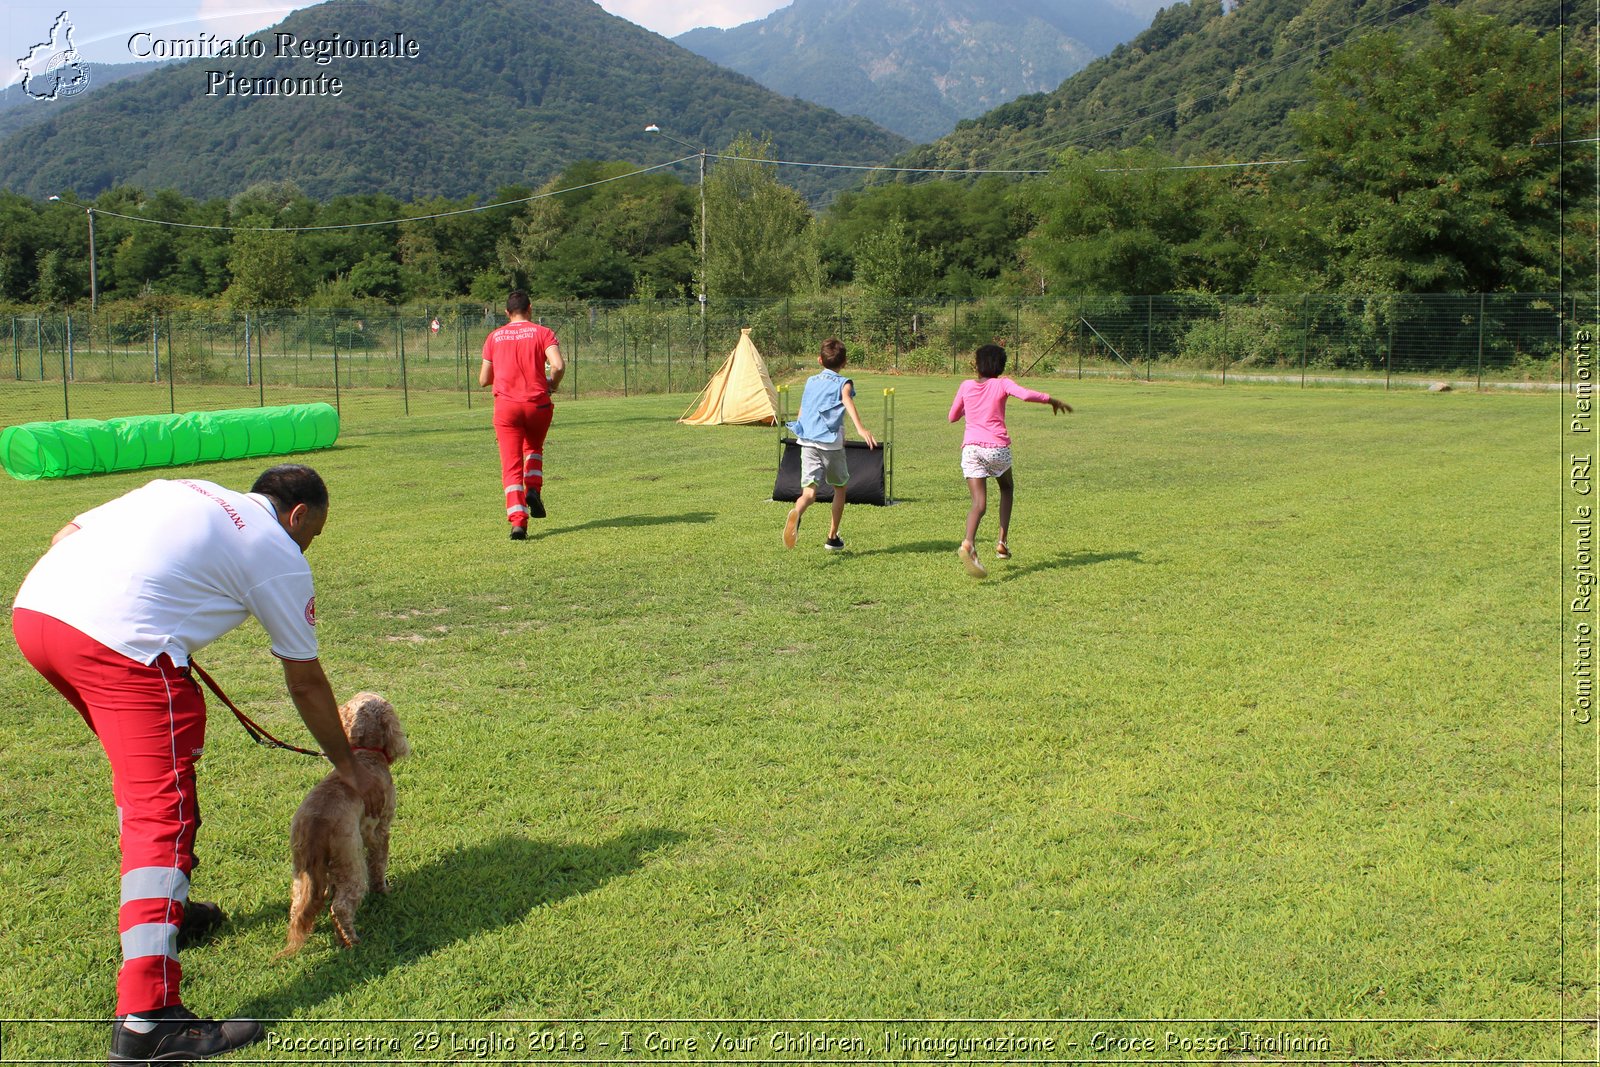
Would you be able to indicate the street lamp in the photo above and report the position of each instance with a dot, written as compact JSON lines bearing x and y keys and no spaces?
{"x":701,"y":151}
{"x":94,"y":286}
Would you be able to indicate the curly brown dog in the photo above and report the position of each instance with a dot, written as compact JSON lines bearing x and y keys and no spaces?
{"x":337,"y":848}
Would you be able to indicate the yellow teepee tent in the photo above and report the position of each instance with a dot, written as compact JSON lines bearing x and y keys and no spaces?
{"x":741,"y":392}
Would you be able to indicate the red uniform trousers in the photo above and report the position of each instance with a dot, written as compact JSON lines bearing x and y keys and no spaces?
{"x":152,"y":723}
{"x":520,"y":429}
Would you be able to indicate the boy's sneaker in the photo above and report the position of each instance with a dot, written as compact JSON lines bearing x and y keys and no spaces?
{"x":180,"y":1035}
{"x":519,"y":533}
{"x":200,"y":920}
{"x":791,"y":528}
{"x":535,"y":504}
{"x":834,"y":544}
{"x":969,"y":561}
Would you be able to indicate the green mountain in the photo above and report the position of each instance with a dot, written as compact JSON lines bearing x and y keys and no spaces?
{"x":918,"y":66}
{"x":18,"y":110}
{"x":483,"y":94}
{"x":1206,"y":80}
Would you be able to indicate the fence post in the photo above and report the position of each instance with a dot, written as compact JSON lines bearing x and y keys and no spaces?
{"x":1224,"y":342}
{"x":16,"y":351}
{"x":111,"y":357}
{"x":72,"y":361}
{"x":461,"y":357}
{"x":405,"y":386}
{"x":955,"y":324}
{"x":334,"y":332}
{"x":261,"y":368}
{"x":172,"y":379}
{"x":66,"y":398}
{"x":1388,"y":354}
{"x":1149,"y":333}
{"x":38,"y":339}
{"x":1480,"y":342}
{"x":1305,"y":334}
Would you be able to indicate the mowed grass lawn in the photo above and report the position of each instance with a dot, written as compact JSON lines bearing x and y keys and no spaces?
{"x":1262,"y":722}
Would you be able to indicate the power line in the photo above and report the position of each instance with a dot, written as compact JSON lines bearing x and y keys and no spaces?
{"x":880,"y":168}
{"x":973,"y":171}
{"x":382,"y":222}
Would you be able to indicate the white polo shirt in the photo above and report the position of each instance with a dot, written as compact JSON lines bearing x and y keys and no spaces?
{"x":171,"y":567}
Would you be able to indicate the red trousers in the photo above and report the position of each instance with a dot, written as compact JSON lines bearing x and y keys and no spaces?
{"x":520,"y":430}
{"x":152,"y":723}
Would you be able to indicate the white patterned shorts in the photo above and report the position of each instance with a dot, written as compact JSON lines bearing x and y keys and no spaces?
{"x":978,"y":461}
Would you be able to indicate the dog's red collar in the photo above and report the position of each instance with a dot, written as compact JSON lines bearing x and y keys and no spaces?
{"x":379,"y":751}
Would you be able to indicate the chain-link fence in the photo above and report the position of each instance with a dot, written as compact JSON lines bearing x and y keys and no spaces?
{"x":375,"y":365}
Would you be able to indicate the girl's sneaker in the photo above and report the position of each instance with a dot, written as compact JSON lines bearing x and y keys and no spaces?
{"x":969,"y":561}
{"x":1001,"y":551}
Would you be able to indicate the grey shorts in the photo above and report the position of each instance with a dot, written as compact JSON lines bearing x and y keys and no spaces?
{"x":817,"y":464}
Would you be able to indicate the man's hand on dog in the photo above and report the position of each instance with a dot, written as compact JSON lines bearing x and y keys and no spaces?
{"x":364,"y":784}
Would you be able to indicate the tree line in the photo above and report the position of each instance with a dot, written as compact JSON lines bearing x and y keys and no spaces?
{"x":1422,"y":166}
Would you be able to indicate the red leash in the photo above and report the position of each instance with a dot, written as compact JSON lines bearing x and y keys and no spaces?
{"x":256,"y":732}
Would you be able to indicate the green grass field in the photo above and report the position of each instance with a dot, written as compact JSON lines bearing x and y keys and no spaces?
{"x":1259,"y":730}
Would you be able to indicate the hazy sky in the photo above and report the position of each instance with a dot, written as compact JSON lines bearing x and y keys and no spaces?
{"x":671,"y":20}
{"x":101,"y":28}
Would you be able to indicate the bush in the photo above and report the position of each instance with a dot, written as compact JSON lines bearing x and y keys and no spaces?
{"x":1242,"y":334}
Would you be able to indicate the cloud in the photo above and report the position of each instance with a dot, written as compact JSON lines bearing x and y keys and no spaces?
{"x":669,"y":20}
{"x":231,"y":18}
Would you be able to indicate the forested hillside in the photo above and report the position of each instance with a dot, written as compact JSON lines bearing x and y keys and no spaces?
{"x":1205,"y":80}
{"x":18,"y":111}
{"x":1441,"y":152}
{"x":500,"y":92}
{"x":918,"y":66}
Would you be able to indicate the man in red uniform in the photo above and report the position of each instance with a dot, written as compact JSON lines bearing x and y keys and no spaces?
{"x":514,"y":361}
{"x":109,"y":616}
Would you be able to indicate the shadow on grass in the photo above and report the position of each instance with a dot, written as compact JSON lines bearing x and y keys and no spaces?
{"x":624,"y":522}
{"x":456,"y":897}
{"x":1066,"y":559}
{"x":923,"y":547}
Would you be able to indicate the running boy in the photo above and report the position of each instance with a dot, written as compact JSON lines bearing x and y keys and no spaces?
{"x":819,"y":427}
{"x":986,"y":446}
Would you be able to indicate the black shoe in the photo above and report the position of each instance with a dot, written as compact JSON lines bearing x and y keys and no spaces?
{"x":535,"y":505}
{"x":834,"y":544}
{"x":200,"y":920}
{"x":519,"y":533}
{"x":180,"y":1035}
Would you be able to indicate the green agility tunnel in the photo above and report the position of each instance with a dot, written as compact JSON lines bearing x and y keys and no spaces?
{"x":88,"y":446}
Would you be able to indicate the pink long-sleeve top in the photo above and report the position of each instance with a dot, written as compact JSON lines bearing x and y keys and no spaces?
{"x":983,"y":402}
